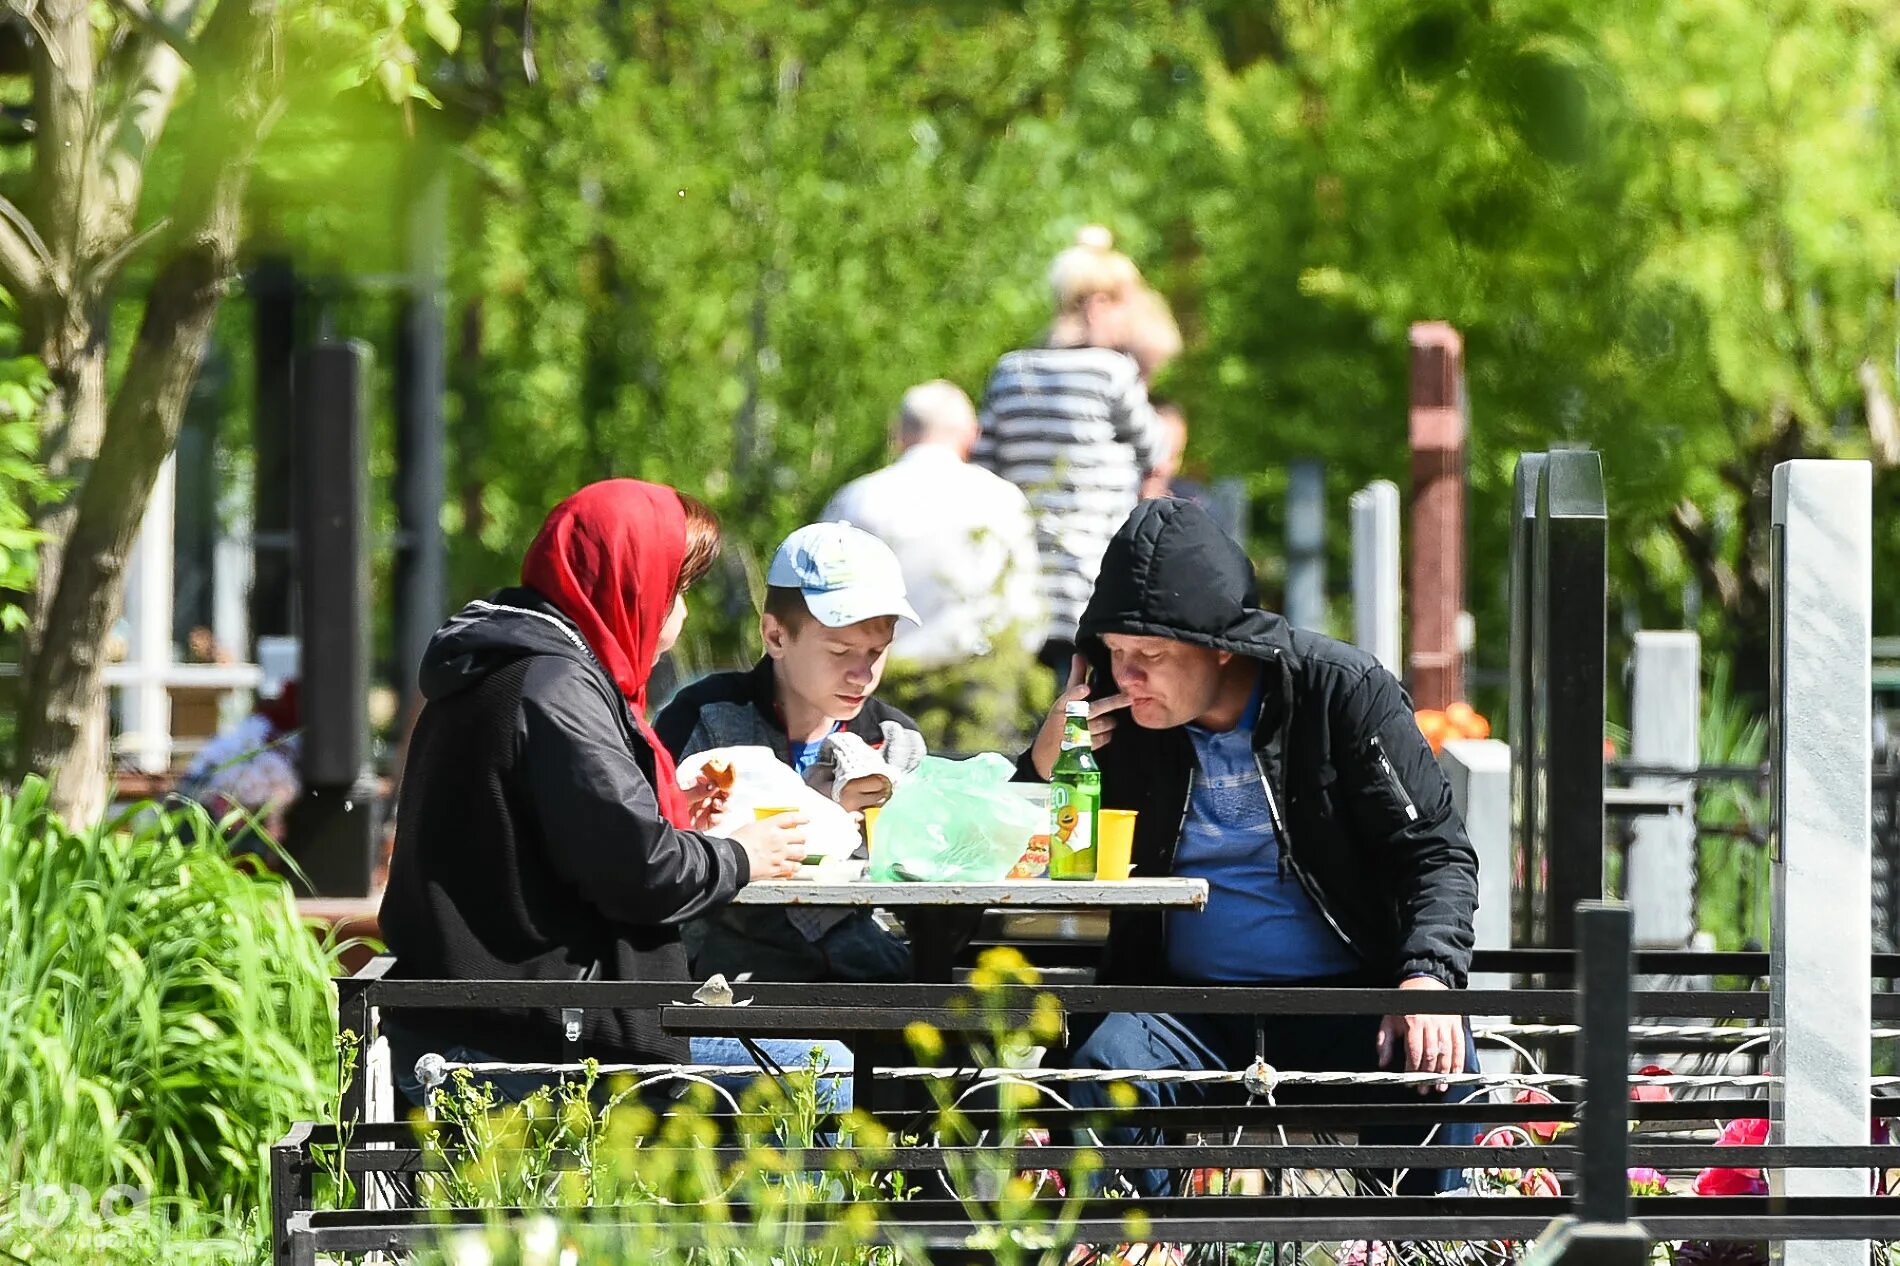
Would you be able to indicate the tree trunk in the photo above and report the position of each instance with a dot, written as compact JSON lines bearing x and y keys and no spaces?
{"x":72,"y":422}
{"x":62,"y":729}
{"x":113,"y":451}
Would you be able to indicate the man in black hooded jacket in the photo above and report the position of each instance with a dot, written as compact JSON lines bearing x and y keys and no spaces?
{"x":1287,"y":770}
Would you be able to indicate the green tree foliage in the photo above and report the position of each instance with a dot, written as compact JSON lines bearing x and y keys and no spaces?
{"x":1667,"y":231}
{"x":713,"y":242}
{"x":717,"y":241}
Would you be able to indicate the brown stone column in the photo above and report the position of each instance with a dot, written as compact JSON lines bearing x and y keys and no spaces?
{"x":1435,"y":577}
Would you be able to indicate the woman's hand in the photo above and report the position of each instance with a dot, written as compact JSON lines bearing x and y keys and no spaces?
{"x":776,"y":846}
{"x":1101,"y":719}
{"x":707,"y":800}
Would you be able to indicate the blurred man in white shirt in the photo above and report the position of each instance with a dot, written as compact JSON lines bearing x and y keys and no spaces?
{"x":965,"y":540}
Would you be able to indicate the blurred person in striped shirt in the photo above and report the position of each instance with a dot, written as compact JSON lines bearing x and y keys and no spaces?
{"x":1069,"y":423}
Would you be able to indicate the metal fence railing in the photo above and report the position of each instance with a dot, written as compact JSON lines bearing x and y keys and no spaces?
{"x":1589,"y":993}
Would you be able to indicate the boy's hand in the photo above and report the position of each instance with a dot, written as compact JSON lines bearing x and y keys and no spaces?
{"x":865,"y":793}
{"x":1101,"y":719}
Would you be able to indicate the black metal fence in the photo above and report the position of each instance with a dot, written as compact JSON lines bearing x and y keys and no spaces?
{"x":1599,"y":1001}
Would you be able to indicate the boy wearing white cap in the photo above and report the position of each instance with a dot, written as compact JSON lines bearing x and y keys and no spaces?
{"x":834,"y":595}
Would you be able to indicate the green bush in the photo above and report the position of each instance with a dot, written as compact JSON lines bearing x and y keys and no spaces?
{"x":164,"y":1014}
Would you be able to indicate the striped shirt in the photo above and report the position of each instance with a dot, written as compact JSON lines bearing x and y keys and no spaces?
{"x":1071,"y":427}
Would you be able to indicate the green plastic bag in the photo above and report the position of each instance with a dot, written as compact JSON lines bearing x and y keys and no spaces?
{"x":954,"y":820}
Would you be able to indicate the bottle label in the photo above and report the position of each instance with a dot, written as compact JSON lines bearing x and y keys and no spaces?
{"x":1074,"y":827}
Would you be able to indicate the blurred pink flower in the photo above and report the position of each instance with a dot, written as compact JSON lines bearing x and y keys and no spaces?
{"x":1648,"y":1182}
{"x":1723,"y":1180}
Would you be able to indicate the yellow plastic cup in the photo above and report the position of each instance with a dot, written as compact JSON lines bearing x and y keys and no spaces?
{"x":1114,"y":843}
{"x":870,"y":824}
{"x":764,"y":811}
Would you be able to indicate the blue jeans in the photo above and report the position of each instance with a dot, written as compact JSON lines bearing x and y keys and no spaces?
{"x":761,"y":940}
{"x":834,"y":1087}
{"x":509,"y":1087}
{"x":1331,"y":1043}
{"x":834,"y":1091}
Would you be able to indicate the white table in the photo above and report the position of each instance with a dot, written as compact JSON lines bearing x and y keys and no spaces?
{"x":1014,"y":894}
{"x":941,"y":916}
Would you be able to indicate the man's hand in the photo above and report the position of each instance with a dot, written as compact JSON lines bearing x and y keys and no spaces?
{"x":706,"y":800}
{"x":1101,"y":719}
{"x":776,"y":846}
{"x":1428,"y":1043}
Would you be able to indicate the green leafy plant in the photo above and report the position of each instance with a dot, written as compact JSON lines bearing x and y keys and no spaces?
{"x":1732,"y":868}
{"x":164,"y":1014}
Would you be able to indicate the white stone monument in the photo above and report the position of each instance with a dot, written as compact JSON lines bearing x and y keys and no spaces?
{"x":1479,"y":771}
{"x":1665,"y":730}
{"x":1821,"y":751}
{"x":1376,"y":581}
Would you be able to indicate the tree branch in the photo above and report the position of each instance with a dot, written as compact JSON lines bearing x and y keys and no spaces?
{"x":125,"y":144}
{"x":160,"y":27}
{"x":1883,"y":423}
{"x":24,"y":260}
{"x":1696,"y":540}
{"x":64,"y":75}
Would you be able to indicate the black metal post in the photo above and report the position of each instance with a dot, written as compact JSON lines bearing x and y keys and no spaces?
{"x":274,"y":300}
{"x":289,"y":1188}
{"x":1566,"y":684}
{"x":1526,"y":888}
{"x":1601,"y":1233}
{"x":333,"y":827}
{"x":195,"y":518}
{"x":1603,"y":974}
{"x":420,"y":583}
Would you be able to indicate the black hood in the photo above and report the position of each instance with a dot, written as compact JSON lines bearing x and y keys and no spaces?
{"x":495,"y":631}
{"x":1171,"y":572}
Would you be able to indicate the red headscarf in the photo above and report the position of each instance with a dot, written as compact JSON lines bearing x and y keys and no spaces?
{"x":609,"y":559}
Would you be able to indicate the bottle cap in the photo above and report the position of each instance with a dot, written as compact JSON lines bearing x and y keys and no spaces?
{"x":1077,"y":708}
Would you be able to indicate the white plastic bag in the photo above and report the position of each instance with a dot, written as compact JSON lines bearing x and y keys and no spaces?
{"x":762,"y":781}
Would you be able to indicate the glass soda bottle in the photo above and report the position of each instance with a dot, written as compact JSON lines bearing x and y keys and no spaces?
{"x":1075,"y":794}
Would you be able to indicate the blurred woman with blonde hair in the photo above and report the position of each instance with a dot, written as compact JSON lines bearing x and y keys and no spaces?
{"x":1069,"y":423}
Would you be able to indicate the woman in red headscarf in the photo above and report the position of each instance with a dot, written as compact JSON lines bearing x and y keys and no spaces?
{"x":541,"y":832}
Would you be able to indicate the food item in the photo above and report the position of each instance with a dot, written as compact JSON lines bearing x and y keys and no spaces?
{"x":720,"y":773}
{"x":1034,"y":863}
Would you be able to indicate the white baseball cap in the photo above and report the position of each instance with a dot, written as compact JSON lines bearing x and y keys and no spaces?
{"x":846,"y":574}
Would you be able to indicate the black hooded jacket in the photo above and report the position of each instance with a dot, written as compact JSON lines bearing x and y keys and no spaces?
{"x":1363,"y":810}
{"x":529,"y":841}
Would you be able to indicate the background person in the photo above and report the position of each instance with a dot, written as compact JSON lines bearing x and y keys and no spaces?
{"x":1171,"y":448}
{"x":1069,"y":423}
{"x":965,"y":541}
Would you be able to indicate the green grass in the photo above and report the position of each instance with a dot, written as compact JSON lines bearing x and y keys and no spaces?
{"x":164,"y":1013}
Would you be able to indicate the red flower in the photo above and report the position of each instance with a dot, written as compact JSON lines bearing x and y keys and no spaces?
{"x":1542,"y":1131}
{"x":1722,"y":1180}
{"x":1651,"y":1094}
